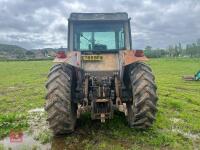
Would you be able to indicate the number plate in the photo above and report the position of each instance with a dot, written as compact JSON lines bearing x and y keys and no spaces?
{"x":92,"y":57}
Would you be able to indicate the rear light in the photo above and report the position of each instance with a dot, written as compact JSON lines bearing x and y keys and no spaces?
{"x":61,"y":54}
{"x":139,"y":53}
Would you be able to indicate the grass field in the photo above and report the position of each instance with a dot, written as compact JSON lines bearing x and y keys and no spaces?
{"x":178,"y":117}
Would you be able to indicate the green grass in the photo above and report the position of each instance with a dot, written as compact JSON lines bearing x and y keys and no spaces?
{"x":177,"y":125}
{"x":21,"y":88}
{"x":12,"y":122}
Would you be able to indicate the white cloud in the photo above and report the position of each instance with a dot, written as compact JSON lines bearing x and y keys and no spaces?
{"x":36,"y":23}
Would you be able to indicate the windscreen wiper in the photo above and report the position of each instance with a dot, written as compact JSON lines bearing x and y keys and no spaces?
{"x":86,"y":38}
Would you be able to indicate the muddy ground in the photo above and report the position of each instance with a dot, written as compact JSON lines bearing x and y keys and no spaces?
{"x":177,"y":123}
{"x":88,"y":135}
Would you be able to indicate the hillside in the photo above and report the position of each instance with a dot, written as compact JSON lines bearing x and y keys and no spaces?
{"x":11,"y":52}
{"x":14,"y":52}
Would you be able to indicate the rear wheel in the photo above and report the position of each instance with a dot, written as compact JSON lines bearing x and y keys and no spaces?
{"x":59,"y":106}
{"x":142,"y":109}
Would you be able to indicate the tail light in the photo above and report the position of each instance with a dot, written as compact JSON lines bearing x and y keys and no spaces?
{"x":61,"y":54}
{"x":139,"y":53}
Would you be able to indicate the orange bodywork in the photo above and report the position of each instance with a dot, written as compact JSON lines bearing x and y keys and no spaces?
{"x":131,"y":56}
{"x":110,"y":61}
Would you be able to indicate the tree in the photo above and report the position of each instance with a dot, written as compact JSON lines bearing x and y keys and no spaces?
{"x":180,"y":50}
{"x":198,"y":47}
{"x":198,"y":42}
{"x":170,"y":50}
{"x":30,"y":54}
{"x":176,"y":52}
{"x":188,"y":50}
{"x":149,"y":48}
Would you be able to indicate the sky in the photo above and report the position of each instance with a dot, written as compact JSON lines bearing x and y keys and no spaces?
{"x":43,"y":23}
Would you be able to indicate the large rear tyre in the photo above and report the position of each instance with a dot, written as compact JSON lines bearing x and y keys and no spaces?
{"x":142,"y":109}
{"x":60,"y":109}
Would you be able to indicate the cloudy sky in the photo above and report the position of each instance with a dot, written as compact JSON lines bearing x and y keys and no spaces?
{"x":43,"y":23}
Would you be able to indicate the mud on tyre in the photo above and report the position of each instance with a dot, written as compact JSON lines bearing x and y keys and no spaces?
{"x":142,"y":109}
{"x":60,"y":109}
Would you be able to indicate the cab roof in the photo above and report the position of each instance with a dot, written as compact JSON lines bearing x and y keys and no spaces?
{"x":118,"y":16}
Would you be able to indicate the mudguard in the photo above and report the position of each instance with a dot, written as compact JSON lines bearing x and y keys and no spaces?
{"x":72,"y":57}
{"x":132,"y":56}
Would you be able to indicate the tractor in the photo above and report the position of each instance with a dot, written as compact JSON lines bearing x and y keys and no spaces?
{"x":100,"y":73}
{"x":195,"y":77}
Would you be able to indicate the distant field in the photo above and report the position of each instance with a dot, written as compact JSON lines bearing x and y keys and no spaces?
{"x":178,"y":118}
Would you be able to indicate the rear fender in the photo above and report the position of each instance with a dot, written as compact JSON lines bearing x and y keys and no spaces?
{"x":131,"y":56}
{"x":128,"y":57}
{"x":72,"y":58}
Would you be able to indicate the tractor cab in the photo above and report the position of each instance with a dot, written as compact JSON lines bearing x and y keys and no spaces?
{"x":99,"y":32}
{"x":100,"y":42}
